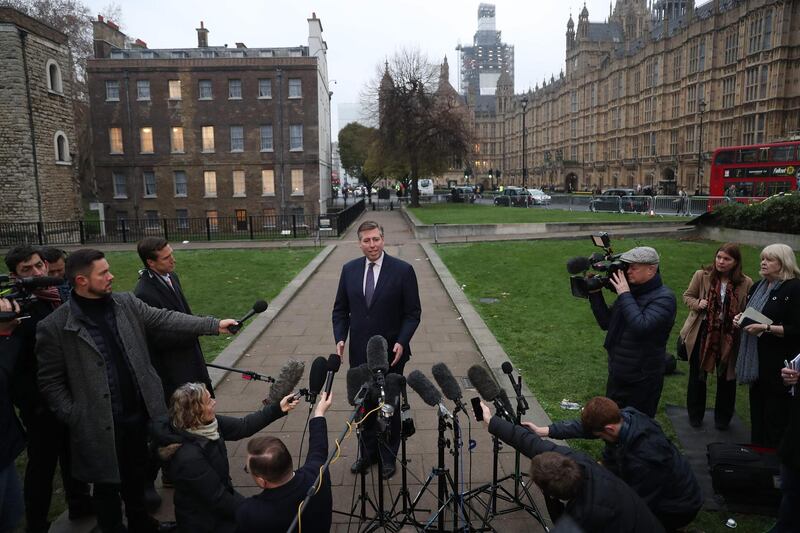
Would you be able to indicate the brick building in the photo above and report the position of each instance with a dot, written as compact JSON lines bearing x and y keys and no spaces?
{"x":629,"y":108}
{"x":38,"y":176}
{"x":209,"y":132}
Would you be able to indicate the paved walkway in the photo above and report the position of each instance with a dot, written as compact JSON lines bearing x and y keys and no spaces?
{"x":303,"y":331}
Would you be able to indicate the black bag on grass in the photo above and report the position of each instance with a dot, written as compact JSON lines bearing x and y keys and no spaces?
{"x":745,"y":474}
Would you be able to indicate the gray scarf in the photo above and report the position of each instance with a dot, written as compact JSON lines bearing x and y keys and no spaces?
{"x":747,"y":362}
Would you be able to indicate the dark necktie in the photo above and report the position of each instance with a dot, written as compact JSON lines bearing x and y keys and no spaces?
{"x":369,"y":289}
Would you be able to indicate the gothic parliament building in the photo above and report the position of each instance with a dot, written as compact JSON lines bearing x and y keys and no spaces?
{"x":646,"y":94}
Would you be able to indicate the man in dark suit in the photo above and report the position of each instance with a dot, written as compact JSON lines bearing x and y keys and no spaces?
{"x":177,"y":358}
{"x":377,"y":295}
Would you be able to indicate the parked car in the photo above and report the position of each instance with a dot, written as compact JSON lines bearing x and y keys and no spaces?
{"x":538,"y":197}
{"x":619,"y":200}
{"x":462,"y":194}
{"x":514,"y":196}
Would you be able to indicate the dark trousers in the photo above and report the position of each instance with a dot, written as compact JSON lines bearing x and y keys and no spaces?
{"x":696,"y":392}
{"x":788,"y":516}
{"x":10,"y":498}
{"x":675,"y":521}
{"x":48,"y":446}
{"x":132,"y":458}
{"x":642,"y":395}
{"x":769,"y":413}
{"x":374,"y":446}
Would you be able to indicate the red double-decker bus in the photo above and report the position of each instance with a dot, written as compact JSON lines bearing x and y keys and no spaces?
{"x":756,"y":171}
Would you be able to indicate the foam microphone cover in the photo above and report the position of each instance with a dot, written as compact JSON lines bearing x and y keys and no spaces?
{"x":393,"y":386}
{"x":260,"y":306}
{"x":576,"y":265}
{"x":483,"y":382}
{"x":507,"y":368}
{"x":356,"y":377}
{"x":423,"y":386}
{"x":334,"y":362}
{"x":316,"y":377}
{"x":378,"y":354}
{"x":446,"y":382}
{"x":290,"y":376}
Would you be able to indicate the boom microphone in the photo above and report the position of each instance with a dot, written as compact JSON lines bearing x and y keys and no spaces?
{"x":576,"y":265}
{"x":377,"y":354}
{"x":259,"y":307}
{"x":357,"y":376}
{"x":316,"y":378}
{"x":488,"y":389}
{"x":427,"y":391}
{"x":448,"y":384}
{"x":290,"y":376}
{"x":334,"y":362}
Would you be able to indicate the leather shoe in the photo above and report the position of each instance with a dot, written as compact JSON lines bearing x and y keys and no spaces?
{"x":389,"y":471}
{"x":722,"y":426}
{"x":695,"y":423}
{"x":361,"y":465}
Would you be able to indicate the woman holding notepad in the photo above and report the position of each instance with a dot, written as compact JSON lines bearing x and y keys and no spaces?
{"x":770,"y":335}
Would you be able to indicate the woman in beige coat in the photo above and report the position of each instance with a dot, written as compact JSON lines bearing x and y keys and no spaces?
{"x":715,"y":296}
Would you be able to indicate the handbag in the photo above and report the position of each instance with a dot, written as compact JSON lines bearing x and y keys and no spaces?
{"x":680,"y":349}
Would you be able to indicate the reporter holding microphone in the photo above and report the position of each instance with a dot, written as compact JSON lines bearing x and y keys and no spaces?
{"x":788,"y":517}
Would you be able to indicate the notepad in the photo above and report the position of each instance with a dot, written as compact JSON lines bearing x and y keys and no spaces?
{"x":752,"y":316}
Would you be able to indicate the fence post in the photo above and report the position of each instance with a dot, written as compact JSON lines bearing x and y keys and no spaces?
{"x":294,"y":225}
{"x":125,"y":231}
{"x":81,"y":229}
{"x":208,"y":228}
{"x":40,"y":233}
{"x":250,"y":220}
{"x":164,"y":224}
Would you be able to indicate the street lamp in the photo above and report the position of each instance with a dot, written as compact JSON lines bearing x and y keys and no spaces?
{"x":701,"y":106}
{"x":524,"y":144}
{"x":491,"y":179}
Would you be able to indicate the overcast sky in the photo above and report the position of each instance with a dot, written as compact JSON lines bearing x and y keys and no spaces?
{"x":362,"y":33}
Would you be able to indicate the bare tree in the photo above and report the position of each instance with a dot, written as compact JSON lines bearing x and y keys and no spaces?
{"x":422,"y":124}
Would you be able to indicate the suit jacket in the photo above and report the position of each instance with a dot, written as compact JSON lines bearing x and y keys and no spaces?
{"x":176,"y":357}
{"x":74,"y":381}
{"x":394,"y":312}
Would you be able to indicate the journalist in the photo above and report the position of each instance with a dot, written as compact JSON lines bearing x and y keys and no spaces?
{"x":13,"y":441}
{"x":270,"y":464}
{"x":638,"y":326}
{"x":56,"y":267}
{"x":575,"y":484}
{"x":643,"y":457}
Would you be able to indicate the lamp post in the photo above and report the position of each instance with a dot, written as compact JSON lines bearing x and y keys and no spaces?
{"x":524,"y":144}
{"x":701,"y":106}
{"x":491,"y":179}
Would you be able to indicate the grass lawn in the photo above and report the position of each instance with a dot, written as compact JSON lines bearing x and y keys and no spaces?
{"x":553,"y":338}
{"x":220,"y":283}
{"x":490,"y":214}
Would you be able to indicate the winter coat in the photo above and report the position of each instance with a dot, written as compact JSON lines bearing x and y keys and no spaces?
{"x":205,"y":500}
{"x":638,"y":325}
{"x":604,"y":503}
{"x":698,"y":290}
{"x":13,"y":438}
{"x":648,"y":462}
{"x":73,"y":378}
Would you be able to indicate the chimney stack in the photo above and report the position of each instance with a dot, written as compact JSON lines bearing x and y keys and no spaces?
{"x":202,"y":36}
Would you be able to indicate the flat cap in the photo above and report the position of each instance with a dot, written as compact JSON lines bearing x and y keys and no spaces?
{"x":642,"y":254}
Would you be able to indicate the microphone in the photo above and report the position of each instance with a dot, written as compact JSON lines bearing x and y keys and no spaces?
{"x":358,"y":379}
{"x":316,"y":377}
{"x":522,"y":403}
{"x":427,"y":391}
{"x":394,"y":384}
{"x":576,"y":265}
{"x":334,"y":362}
{"x":448,"y":384}
{"x":377,"y":354}
{"x":290,"y":376}
{"x":488,"y":389}
{"x":259,"y":307}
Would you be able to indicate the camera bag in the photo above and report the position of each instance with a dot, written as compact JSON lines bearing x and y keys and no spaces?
{"x":745,"y":474}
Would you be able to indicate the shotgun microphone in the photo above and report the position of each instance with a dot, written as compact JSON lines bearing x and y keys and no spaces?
{"x":287,"y":380}
{"x":428,"y":392}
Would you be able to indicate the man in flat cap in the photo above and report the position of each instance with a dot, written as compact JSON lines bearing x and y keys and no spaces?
{"x":638,"y":326}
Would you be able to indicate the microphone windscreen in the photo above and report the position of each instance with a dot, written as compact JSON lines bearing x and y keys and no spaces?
{"x":40,"y":281}
{"x":260,"y":306}
{"x":356,"y":376}
{"x":287,"y":380}
{"x":446,"y":382}
{"x":483,"y":382}
{"x":378,"y":354}
{"x":423,"y":386}
{"x":317,"y":375}
{"x":334,"y":362}
{"x":507,"y":368}
{"x":393,"y":386}
{"x":576,"y":265}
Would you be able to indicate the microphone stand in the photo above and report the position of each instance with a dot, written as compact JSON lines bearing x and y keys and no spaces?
{"x":359,"y":400}
{"x":403,"y":495}
{"x":246,"y":374}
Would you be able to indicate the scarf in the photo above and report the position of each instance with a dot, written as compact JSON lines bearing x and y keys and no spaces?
{"x":747,"y":364}
{"x":720,"y":338}
{"x":209,"y":431}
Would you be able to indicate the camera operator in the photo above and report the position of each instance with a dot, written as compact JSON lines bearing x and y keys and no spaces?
{"x":47,"y":438}
{"x":270,"y":464}
{"x":644,"y":458}
{"x":638,"y":325}
{"x":13,"y":441}
{"x":575,"y":484}
{"x":56,"y":265}
{"x":95,"y":372}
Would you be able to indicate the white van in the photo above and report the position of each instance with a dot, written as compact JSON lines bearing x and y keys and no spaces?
{"x":425,"y":187}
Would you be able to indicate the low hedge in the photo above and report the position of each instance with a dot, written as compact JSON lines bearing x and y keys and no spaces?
{"x":778,"y":214}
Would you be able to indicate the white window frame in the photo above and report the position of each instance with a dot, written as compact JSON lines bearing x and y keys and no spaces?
{"x":173,"y":130}
{"x":114,"y":184}
{"x":110,"y":84}
{"x":231,"y":84}
{"x":154,"y":194}
{"x":143,"y":137}
{"x":207,"y":191}
{"x":66,"y":159}
{"x":239,"y":181}
{"x":267,"y":182}
{"x":54,"y":86}
{"x":200,"y":85}
{"x":297,"y":174}
{"x":173,"y":95}
{"x":295,"y":83}
{"x":240,"y":147}
{"x":139,"y":87}
{"x":261,"y":139}
{"x":111,"y":150}
{"x":268,"y":94}
{"x":175,"y":184}
{"x":207,"y":142}
{"x":293,"y":147}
